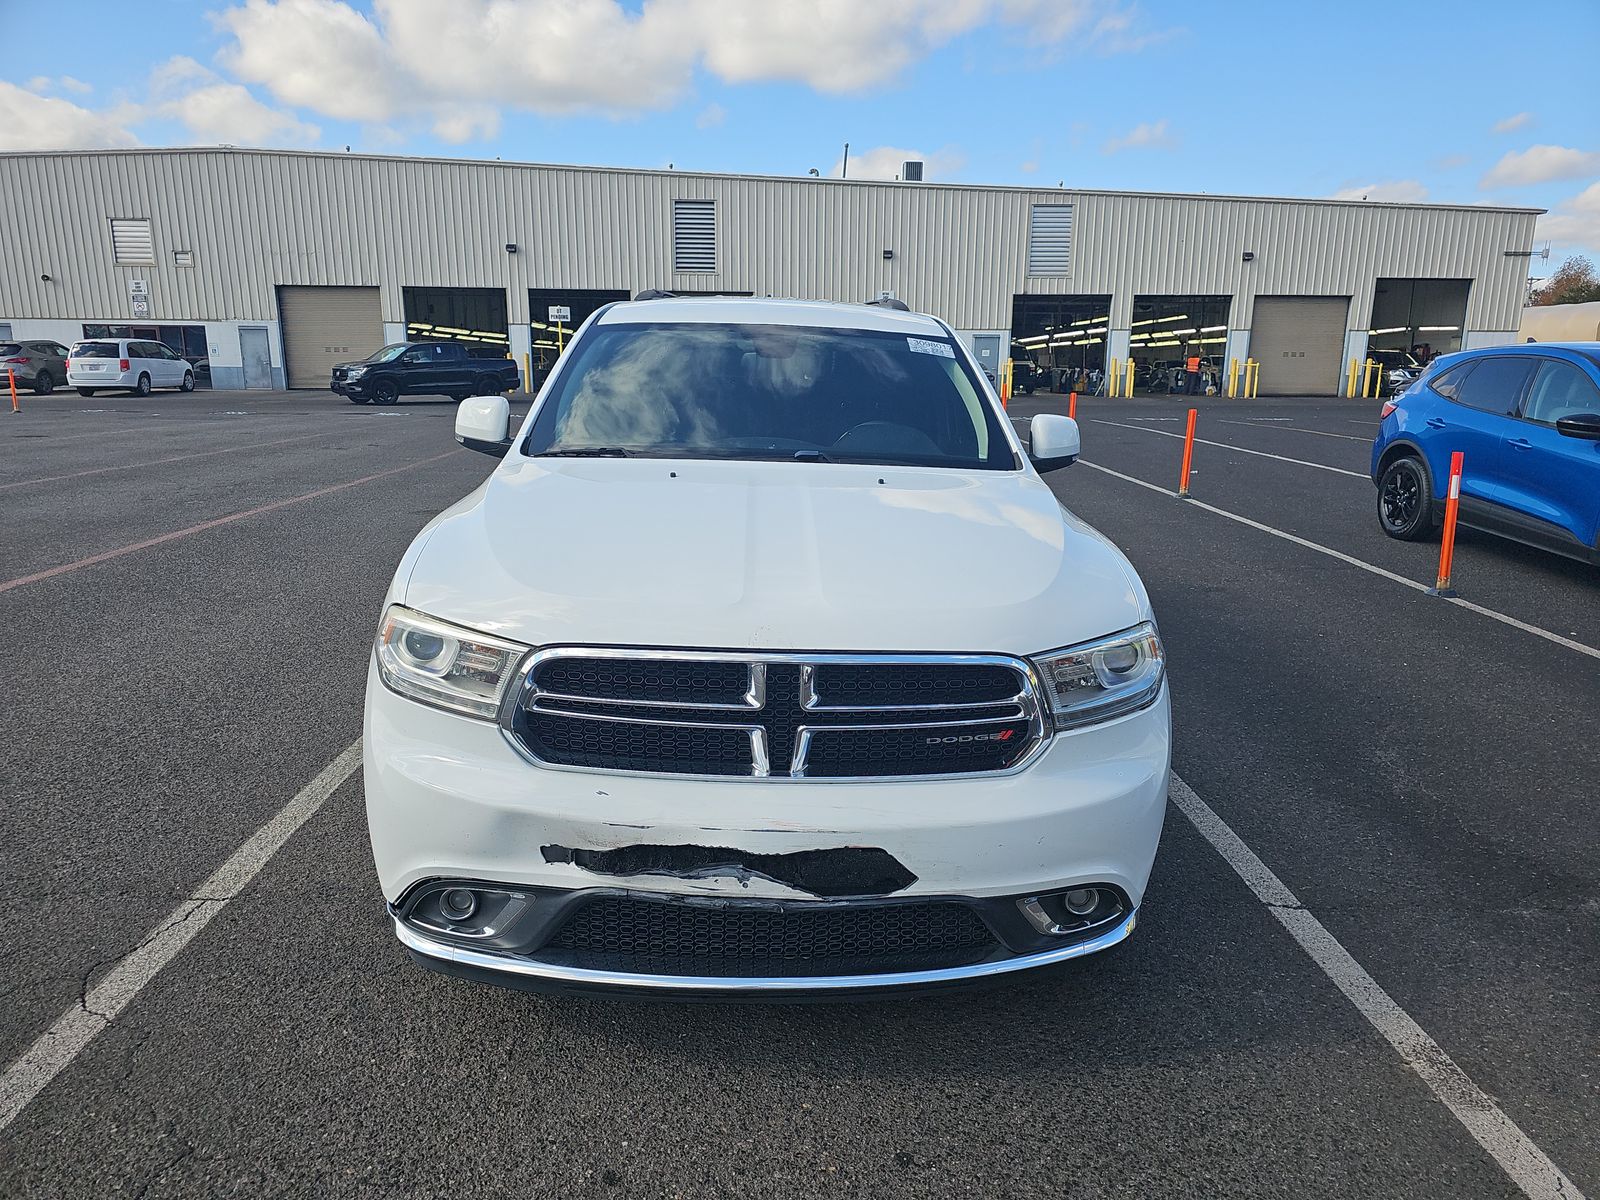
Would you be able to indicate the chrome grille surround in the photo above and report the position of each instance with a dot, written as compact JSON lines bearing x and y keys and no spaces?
{"x":1025,"y":707}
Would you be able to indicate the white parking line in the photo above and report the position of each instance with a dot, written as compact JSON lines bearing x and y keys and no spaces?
{"x":1527,"y":1165}
{"x":1238,"y":449}
{"x":1492,"y":614}
{"x":74,"y":1029}
{"x":1349,"y":437}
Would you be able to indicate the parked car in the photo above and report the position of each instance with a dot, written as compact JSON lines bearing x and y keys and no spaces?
{"x":766,"y":662}
{"x":1027,"y":376}
{"x":104,"y":364}
{"x":1399,"y":368}
{"x":423,"y":369}
{"x":39,"y":365}
{"x":1526,"y":420}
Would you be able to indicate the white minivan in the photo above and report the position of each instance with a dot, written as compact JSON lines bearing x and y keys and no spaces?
{"x":98,"y":364}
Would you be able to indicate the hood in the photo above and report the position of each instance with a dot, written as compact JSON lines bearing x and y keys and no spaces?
{"x":770,"y":556}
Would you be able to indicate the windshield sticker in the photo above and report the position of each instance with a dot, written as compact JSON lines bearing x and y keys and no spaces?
{"x":923,"y":346}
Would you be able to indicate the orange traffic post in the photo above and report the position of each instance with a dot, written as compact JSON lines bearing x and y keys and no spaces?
{"x":1188,"y":456}
{"x":11,"y":378}
{"x":1072,"y":405}
{"x":1447,"y":545}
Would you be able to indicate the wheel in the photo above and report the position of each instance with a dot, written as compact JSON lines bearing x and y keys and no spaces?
{"x":188,"y":382}
{"x":43,"y":385}
{"x":142,"y":388}
{"x":385,"y":392}
{"x":1405,"y":500}
{"x":357,"y":399}
{"x":87,"y":391}
{"x":487,"y":386}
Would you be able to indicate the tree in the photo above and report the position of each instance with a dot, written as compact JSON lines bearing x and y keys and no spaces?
{"x":1575,"y":282}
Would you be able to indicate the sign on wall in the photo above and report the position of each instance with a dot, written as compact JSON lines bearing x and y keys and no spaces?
{"x":560,"y":313}
{"x":139,"y":297}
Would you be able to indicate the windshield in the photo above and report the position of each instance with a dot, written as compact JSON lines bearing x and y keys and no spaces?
{"x":97,"y":350}
{"x":770,"y":392}
{"x":387,"y":354}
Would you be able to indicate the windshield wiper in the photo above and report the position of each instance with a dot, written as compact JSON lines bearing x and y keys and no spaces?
{"x":810,"y":456}
{"x":586,"y":452}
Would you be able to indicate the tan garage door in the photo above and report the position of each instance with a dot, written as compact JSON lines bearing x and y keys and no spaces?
{"x":1298,"y":340}
{"x":327,"y":325}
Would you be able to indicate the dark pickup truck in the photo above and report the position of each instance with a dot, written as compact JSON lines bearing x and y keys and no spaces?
{"x":423,"y":369}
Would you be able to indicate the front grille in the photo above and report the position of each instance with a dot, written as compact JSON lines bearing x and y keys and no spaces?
{"x":667,"y":937}
{"x":824,"y":716}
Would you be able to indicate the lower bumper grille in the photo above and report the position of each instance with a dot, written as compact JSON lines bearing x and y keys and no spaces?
{"x":665,"y":937}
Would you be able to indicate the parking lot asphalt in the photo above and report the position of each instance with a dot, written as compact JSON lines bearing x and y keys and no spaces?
{"x":190,"y":585}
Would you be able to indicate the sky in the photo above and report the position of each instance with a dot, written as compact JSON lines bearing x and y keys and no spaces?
{"x":1449,"y":101}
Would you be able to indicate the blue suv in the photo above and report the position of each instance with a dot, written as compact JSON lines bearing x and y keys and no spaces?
{"x":1527,"y":421}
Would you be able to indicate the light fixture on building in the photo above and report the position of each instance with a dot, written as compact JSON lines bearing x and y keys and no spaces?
{"x":44,"y":278}
{"x":887,"y":255}
{"x":1249,"y":256}
{"x":511,"y":247}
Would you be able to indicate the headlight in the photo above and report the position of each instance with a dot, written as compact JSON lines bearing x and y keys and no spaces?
{"x":1100,"y":680}
{"x":355,"y":372}
{"x":445,"y":665}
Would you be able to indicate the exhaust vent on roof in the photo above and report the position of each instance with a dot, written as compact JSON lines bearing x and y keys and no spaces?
{"x":911,"y":171}
{"x":694,"y":235}
{"x":1050,"y":240}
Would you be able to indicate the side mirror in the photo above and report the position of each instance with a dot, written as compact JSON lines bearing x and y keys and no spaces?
{"x":1580,"y":425}
{"x":1053,"y":441}
{"x":483,"y":423}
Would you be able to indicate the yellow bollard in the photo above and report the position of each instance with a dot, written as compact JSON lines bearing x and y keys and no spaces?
{"x":1233,"y":378}
{"x":1114,"y":381}
{"x":1371,"y":380}
{"x":1128,"y":392}
{"x":1252,"y":378}
{"x":527,"y":372}
{"x":1350,"y":381}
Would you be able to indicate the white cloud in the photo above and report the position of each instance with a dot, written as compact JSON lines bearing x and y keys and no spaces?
{"x":1397,"y":191}
{"x":1574,"y":222}
{"x":710,"y":117}
{"x":561,"y":56}
{"x":75,"y":85}
{"x":884,"y":162}
{"x":1541,"y":164}
{"x":39,"y":83}
{"x":217,"y":111}
{"x":1513,"y":123}
{"x":32,"y":122}
{"x":1151,"y":135}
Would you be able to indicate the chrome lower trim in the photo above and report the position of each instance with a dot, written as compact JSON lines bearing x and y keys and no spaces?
{"x":583,"y":977}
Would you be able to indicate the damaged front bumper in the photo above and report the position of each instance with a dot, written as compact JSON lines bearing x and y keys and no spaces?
{"x":683,"y":886}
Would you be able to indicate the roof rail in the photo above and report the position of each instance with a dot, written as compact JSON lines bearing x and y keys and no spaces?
{"x":890,"y":302}
{"x":654,"y":294}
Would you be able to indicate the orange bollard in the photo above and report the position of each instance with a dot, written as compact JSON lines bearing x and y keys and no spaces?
{"x":1447,"y":545}
{"x":1072,"y":405}
{"x":11,"y":378}
{"x":1188,"y":456}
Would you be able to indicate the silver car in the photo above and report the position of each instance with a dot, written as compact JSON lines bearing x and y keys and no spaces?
{"x":39,"y":365}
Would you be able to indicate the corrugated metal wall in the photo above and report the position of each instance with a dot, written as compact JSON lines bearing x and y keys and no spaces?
{"x":258,"y":219}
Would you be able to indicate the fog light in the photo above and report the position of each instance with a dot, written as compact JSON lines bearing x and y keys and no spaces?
{"x":1082,"y":901}
{"x":458,"y":904}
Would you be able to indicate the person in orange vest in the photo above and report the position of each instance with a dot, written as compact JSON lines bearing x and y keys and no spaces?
{"x":1191,"y":371}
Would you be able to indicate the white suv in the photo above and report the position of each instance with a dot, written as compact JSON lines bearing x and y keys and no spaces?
{"x":765,"y":663}
{"x":100,"y":364}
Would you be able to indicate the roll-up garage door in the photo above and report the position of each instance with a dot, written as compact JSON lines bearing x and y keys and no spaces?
{"x":1298,"y":341}
{"x":327,"y":325}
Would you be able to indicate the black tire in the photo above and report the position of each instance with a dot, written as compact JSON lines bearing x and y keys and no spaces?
{"x":1405,"y":500}
{"x":488,"y":385}
{"x":188,"y":382}
{"x":87,"y":391}
{"x":385,"y":392}
{"x":142,"y":388}
{"x":43,"y":385}
{"x":357,"y":399}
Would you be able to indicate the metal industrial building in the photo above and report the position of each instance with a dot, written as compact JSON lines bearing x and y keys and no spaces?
{"x":265,"y":267}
